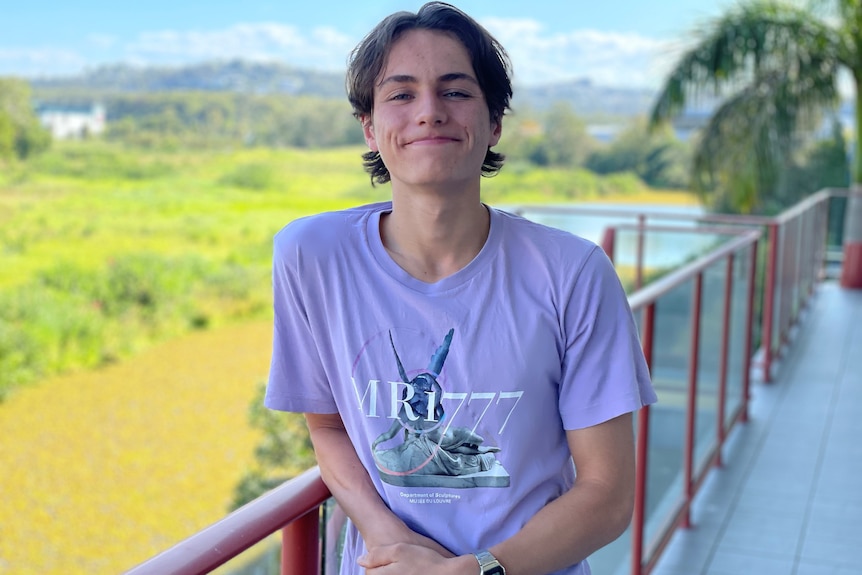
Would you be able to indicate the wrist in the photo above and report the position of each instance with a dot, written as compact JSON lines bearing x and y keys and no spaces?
{"x":465,"y":565}
{"x":488,"y":563}
{"x":385,"y":530}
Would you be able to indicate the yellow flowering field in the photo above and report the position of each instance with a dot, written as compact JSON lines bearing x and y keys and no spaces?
{"x":102,"y":469}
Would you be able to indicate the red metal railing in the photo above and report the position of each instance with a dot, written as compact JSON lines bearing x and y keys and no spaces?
{"x":293,"y":508}
{"x":794,"y":263}
{"x":644,"y":554}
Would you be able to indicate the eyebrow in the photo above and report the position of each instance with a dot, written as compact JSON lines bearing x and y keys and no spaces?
{"x":408,"y":79}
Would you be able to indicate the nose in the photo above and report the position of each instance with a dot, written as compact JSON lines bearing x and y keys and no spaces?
{"x":430,"y":110}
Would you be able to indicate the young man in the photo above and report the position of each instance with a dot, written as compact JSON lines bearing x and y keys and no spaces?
{"x":454,"y":361}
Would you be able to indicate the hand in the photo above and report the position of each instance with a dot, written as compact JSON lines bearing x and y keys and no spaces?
{"x":409,"y":559}
{"x":422,"y":541}
{"x":400,"y":533}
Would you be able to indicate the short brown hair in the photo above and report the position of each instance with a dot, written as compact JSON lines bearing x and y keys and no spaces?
{"x":490,"y":63}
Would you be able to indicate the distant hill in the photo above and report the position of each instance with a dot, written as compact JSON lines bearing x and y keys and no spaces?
{"x":232,"y":76}
{"x":587,"y":99}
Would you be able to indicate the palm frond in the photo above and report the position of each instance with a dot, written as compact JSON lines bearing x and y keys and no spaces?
{"x":754,"y":38}
{"x":754,"y":130}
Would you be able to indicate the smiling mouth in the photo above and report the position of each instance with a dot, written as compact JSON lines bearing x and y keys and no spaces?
{"x":434,"y":140}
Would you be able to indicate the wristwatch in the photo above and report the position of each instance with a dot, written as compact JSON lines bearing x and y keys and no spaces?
{"x":488,"y":564}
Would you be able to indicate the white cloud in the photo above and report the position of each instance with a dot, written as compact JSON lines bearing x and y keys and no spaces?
{"x":35,"y":62}
{"x":607,"y":58}
{"x":320,"y":47}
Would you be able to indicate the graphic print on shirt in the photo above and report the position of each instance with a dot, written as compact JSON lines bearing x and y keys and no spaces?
{"x":422,"y":447}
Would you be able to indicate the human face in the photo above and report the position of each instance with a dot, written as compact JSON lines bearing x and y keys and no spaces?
{"x":430,"y":121}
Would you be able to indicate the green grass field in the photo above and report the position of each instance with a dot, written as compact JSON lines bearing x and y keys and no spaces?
{"x":134,"y":331}
{"x":104,"y":250}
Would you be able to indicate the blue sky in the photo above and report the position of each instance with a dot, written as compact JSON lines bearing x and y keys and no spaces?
{"x":612,"y":42}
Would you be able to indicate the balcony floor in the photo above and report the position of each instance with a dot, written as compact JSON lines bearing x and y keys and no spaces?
{"x":788,"y":500}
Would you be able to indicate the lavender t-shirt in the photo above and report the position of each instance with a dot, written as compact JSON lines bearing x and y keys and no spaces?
{"x":457,"y":394}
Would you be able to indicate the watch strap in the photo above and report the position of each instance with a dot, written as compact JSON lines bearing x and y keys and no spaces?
{"x":488,"y":564}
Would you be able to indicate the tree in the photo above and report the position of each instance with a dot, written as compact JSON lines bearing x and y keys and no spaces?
{"x":21,"y":134}
{"x":656,"y":156}
{"x":7,"y":136}
{"x":567,"y":140}
{"x":556,"y":137}
{"x":284,"y":451}
{"x":821,"y":164}
{"x":775,"y":67}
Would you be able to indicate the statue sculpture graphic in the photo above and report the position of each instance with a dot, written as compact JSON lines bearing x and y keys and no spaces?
{"x":434,"y":454}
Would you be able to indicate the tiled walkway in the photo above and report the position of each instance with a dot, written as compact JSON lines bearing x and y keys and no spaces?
{"x":789,"y":499}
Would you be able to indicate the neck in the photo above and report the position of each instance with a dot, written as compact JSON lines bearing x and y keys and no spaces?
{"x":432,"y":238}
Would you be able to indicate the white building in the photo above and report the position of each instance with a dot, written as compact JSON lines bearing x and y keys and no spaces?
{"x":67,"y":122}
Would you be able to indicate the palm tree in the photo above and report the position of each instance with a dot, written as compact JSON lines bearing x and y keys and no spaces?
{"x":775,"y":67}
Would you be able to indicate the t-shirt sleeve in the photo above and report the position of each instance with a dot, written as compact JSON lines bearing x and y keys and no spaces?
{"x":604,"y":373}
{"x":297,"y":378}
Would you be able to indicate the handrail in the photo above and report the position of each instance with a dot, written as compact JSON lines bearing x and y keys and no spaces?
{"x":654,"y":290}
{"x":294,"y":506}
{"x":248,"y":525}
{"x":791,"y":267}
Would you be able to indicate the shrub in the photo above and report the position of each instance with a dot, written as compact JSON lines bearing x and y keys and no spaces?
{"x":71,"y":316}
{"x":99,"y":161}
{"x":284,"y":451}
{"x":44,"y":331}
{"x":252,"y":176}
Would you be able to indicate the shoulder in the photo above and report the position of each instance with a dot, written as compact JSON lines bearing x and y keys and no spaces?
{"x":558,"y":249}
{"x":324,"y":232}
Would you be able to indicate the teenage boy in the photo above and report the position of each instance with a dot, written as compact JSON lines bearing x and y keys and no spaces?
{"x":467,"y":376}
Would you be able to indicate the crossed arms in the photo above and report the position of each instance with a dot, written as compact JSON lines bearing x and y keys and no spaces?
{"x":594,"y":512}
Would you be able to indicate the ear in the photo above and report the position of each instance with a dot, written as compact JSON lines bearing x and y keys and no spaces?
{"x":496,"y":132}
{"x":368,"y":131}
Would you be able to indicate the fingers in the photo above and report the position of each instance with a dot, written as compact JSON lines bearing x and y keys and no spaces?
{"x":380,"y":556}
{"x":401,"y":558}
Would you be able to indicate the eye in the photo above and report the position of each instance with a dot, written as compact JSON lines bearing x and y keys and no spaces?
{"x":400,"y":96}
{"x":456,"y":94}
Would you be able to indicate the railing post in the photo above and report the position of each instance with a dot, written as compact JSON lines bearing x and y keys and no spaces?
{"x":300,"y":545}
{"x":798,"y":230}
{"x":822,"y":238}
{"x":749,"y":327}
{"x":691,"y":408}
{"x":639,"y":269}
{"x":785,"y":285}
{"x":642,"y":448}
{"x":725,"y":354}
{"x":812,"y":236}
{"x":609,"y":237}
{"x":769,"y":300}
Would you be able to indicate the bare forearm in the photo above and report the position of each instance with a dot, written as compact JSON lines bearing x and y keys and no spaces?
{"x":590,"y":515}
{"x":350,"y":484}
{"x":593,"y":513}
{"x":565,"y":531}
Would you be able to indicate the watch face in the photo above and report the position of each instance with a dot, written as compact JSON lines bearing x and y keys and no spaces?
{"x":495,"y":570}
